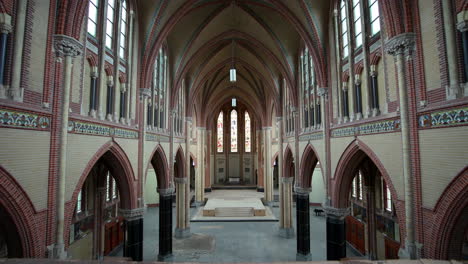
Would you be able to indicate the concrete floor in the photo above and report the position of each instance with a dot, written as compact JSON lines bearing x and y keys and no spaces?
{"x":236,"y":241}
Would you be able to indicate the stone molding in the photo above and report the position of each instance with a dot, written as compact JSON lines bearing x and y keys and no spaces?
{"x":166,"y":192}
{"x":401,"y":44}
{"x":132,"y":214}
{"x":67,"y":46}
{"x":301,"y":190}
{"x":181,"y":180}
{"x":287,"y":179}
{"x":339,"y":213}
{"x":145,"y":92}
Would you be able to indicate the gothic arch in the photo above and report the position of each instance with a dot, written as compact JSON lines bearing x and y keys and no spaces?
{"x":308,"y":163}
{"x":159,"y":162}
{"x":20,"y":209}
{"x":179,"y":166}
{"x":451,"y":207}
{"x":288,"y":166}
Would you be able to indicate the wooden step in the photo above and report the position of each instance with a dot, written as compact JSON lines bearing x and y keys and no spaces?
{"x":234,"y":212}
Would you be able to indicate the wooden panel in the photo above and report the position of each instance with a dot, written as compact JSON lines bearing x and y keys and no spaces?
{"x":391,"y":248}
{"x":355,"y":234}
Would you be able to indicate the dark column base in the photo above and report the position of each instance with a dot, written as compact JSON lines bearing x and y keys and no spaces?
{"x":208,"y":189}
{"x":336,"y":233}
{"x":133,"y":244}
{"x":260,"y":189}
{"x":165,"y":226}
{"x":303,"y":224}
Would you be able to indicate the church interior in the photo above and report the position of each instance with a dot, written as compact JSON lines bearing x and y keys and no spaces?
{"x":233,"y":130}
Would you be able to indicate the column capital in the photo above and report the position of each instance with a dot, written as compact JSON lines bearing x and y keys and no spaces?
{"x":401,"y":44}
{"x":279,"y":118}
{"x":132,"y":214}
{"x":181,"y":180}
{"x":110,"y":80}
{"x":94,"y":72}
{"x":5,"y":23}
{"x":188,"y":119}
{"x":373,"y":70}
{"x":462,"y":26}
{"x":266,"y":128}
{"x":123,"y":87}
{"x":287,"y":179}
{"x":339,"y":213}
{"x":302,"y":191}
{"x":322,"y":91}
{"x":166,"y":192}
{"x":344,"y":86}
{"x":145,"y":92}
{"x":67,"y":46}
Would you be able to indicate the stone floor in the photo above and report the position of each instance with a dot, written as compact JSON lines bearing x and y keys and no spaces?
{"x":234,"y":241}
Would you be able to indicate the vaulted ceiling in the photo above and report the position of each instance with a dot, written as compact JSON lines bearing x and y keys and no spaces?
{"x":205,"y":37}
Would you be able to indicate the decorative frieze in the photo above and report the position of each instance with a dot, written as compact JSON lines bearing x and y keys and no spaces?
{"x":449,"y":117}
{"x":369,"y":128}
{"x":9,"y":118}
{"x":79,"y":127}
{"x":313,"y":136}
{"x":156,"y":137}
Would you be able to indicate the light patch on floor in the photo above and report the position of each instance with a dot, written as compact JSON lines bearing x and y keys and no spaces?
{"x":199,"y":243}
{"x":212,"y":227}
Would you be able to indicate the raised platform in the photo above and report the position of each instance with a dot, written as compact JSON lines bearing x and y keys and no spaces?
{"x":233,"y":186}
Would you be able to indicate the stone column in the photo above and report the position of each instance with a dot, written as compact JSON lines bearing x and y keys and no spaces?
{"x":280,"y":165}
{"x":128,"y":100}
{"x":345,"y":102}
{"x":187,"y":173}
{"x":199,"y":187}
{"x":16,"y":91}
{"x":109,"y":101}
{"x":339,"y":94}
{"x":68,"y":48}
{"x":462,"y":26}
{"x":123,"y":98}
{"x":5,"y":29}
{"x":401,"y":46}
{"x":165,"y":224}
{"x":133,"y":236}
{"x":287,"y":229}
{"x":374,"y":91}
{"x":267,"y":165}
{"x":181,"y":230}
{"x":116,"y":44}
{"x":336,"y":232}
{"x":453,"y":88}
{"x":93,"y":92}
{"x":357,"y":95}
{"x":371,"y":228}
{"x":303,"y":223}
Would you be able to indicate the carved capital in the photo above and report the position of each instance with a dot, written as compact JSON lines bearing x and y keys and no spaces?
{"x":373,"y":70}
{"x":344,"y":86}
{"x":110,"y":81}
{"x":181,"y":180}
{"x":123,"y":87}
{"x":5,"y":28}
{"x":401,"y":44}
{"x":287,"y":179}
{"x":322,"y":91}
{"x":5,"y":23}
{"x":67,"y":46}
{"x":145,"y":92}
{"x":462,"y":26}
{"x":339,"y":213}
{"x":166,"y":192}
{"x":132,"y":214}
{"x":301,"y":190}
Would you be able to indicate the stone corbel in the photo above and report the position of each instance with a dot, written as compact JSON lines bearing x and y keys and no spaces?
{"x":67,"y":46}
{"x":402,"y":44}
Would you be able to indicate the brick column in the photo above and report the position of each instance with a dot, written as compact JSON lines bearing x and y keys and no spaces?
{"x":303,"y":224}
{"x":336,"y":232}
{"x":133,"y":236}
{"x":165,"y":224}
{"x":68,"y":48}
{"x":402,"y":46}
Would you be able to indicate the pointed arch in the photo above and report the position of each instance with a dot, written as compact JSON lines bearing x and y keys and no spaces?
{"x":179,"y":166}
{"x":288,"y":166}
{"x":159,"y":162}
{"x":20,"y":209}
{"x":309,"y":161}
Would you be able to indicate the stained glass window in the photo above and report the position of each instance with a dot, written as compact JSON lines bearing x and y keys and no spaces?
{"x":220,"y":132}
{"x":114,"y":189}
{"x":108,"y":187}
{"x":360,"y":185}
{"x":79,"y":202}
{"x":233,"y":131}
{"x":247,"y":133}
{"x":388,"y":200}
{"x":354,"y":193}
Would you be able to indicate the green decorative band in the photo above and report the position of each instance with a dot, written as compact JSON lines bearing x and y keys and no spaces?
{"x":449,"y":117}
{"x":79,"y":127}
{"x":9,"y":118}
{"x":156,"y":137}
{"x":313,"y":136}
{"x":366,"y":129}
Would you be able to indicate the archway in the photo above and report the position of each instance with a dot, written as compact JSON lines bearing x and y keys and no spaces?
{"x":449,"y":238}
{"x":182,"y":196}
{"x":365,"y":213}
{"x":103,"y":209}
{"x":16,"y":215}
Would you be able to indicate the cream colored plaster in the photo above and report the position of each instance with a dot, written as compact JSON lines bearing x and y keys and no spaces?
{"x":130,"y":146}
{"x":387,"y":147}
{"x":25,"y":155}
{"x":337,"y":147}
{"x":151,"y":185}
{"x":80,"y":151}
{"x":444,"y":154}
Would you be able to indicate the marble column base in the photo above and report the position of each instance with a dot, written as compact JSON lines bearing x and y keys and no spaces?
{"x":286,"y":232}
{"x":182,"y":232}
{"x":17,"y":94}
{"x":302,"y":257}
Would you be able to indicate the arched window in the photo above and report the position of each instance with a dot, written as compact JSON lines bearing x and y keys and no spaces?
{"x":233,"y":131}
{"x":374,"y":16}
{"x":110,"y":23}
{"x":387,"y":198}
{"x":79,"y":207}
{"x":247,"y":133}
{"x":357,"y":22}
{"x":219,"y":132}
{"x":123,"y":30}
{"x":344,"y":28}
{"x":93,"y":17}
